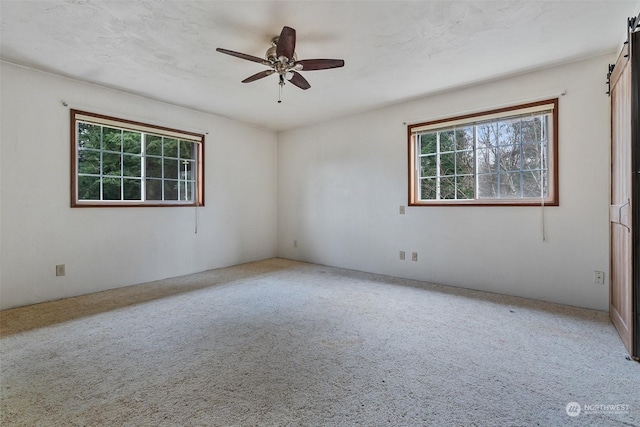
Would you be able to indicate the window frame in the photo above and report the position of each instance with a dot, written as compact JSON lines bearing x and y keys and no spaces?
{"x":552,"y":198}
{"x":197,"y":139}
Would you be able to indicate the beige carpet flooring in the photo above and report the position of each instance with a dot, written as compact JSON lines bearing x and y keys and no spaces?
{"x":283,"y":343}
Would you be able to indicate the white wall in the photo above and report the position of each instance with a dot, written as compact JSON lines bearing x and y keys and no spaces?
{"x":340,"y":185}
{"x":112,"y":247}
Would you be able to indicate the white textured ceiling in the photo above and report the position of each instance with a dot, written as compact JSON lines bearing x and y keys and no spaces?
{"x":394,"y":50}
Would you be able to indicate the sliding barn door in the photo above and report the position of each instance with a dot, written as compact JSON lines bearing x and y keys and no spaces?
{"x":623,"y":203}
{"x":634,"y":52}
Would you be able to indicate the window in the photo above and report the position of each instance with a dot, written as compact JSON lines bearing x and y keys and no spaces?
{"x":498,"y":157}
{"x":119,"y":162}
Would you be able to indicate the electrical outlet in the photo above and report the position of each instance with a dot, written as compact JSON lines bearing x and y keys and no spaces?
{"x":598,"y":277}
{"x":295,"y":243}
{"x":401,"y":255}
{"x":401,"y":210}
{"x":60,"y":270}
{"x":414,"y":256}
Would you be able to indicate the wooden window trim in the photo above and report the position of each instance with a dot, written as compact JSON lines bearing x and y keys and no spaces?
{"x":197,"y":138}
{"x":552,"y":200}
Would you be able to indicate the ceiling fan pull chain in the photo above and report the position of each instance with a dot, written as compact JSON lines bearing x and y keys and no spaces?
{"x":280,"y":86}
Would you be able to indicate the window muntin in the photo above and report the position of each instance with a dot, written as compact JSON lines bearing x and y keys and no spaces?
{"x":123,"y":163}
{"x":499,"y":157}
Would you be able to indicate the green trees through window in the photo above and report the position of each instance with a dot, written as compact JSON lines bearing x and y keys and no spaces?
{"x":134,"y":164}
{"x":508,"y":157}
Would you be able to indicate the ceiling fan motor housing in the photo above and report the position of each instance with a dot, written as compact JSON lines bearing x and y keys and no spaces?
{"x":282,"y":64}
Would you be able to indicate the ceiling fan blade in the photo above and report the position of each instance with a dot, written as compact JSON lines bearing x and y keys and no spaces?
{"x":259,"y":75}
{"x":320,"y":64}
{"x":243,"y":56}
{"x":300,"y":81}
{"x":286,"y":43}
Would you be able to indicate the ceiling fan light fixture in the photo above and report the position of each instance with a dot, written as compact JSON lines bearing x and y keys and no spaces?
{"x":282,"y":60}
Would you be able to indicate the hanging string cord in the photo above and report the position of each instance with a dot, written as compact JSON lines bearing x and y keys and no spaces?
{"x":195,"y":231}
{"x":542,"y":223}
{"x":195,"y":210}
{"x":542,"y":186}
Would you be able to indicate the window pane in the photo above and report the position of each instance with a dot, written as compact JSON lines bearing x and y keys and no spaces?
{"x":509,"y":132}
{"x":448,"y":188}
{"x":487,"y":161}
{"x":111,"y":189}
{"x":153,"y":167}
{"x":531,"y":158}
{"x":170,"y":190}
{"x":170,"y":147}
{"x":428,"y":188}
{"x":132,"y":142}
{"x":447,"y":164}
{"x":464,"y":162}
{"x":190,"y":167}
{"x":186,"y":190}
{"x":112,"y":139}
{"x":532,"y":184}
{"x":532,"y":129}
{"x":510,"y":185}
{"x":509,"y":158}
{"x":171,"y":169}
{"x":88,"y":188}
{"x":132,"y":189}
{"x":428,"y":143}
{"x":89,"y":162}
{"x":187,"y":150}
{"x":446,"y":141}
{"x":465,"y":187}
{"x":153,"y":145}
{"x":89,"y":135}
{"x":154,"y":189}
{"x":487,"y":135}
{"x":428,"y":166}
{"x":464,"y":138}
{"x":111,"y":164}
{"x":487,"y":186}
{"x":132,"y":165}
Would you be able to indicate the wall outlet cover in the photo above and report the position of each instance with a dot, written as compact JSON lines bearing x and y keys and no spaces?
{"x":60,"y":270}
{"x":598,"y":277}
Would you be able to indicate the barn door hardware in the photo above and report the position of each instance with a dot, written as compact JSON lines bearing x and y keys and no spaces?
{"x":633,"y":25}
{"x":620,"y":215}
{"x":611,"y":67}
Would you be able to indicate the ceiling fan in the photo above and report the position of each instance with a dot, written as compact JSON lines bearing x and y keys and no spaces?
{"x":282,"y":59}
